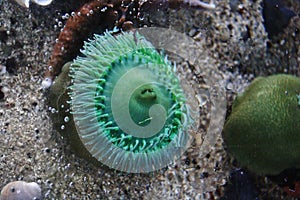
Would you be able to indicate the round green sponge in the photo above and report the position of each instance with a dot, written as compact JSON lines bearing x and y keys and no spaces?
{"x":263,"y":130}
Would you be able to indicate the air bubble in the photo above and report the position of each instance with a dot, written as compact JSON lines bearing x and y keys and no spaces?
{"x":66,"y":119}
{"x":73,"y":14}
{"x":71,"y":184}
{"x":66,"y":16}
{"x":229,"y":86}
{"x":104,"y":9}
{"x":62,"y":127}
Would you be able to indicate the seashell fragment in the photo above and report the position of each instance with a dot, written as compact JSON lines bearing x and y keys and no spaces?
{"x":21,"y":190}
{"x":25,"y":3}
{"x":42,"y":2}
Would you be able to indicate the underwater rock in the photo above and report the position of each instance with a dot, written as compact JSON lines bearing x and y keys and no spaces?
{"x":262,"y":132}
{"x":289,"y":180}
{"x":276,"y":16}
{"x":21,"y":190}
{"x":293,"y":191}
{"x":241,"y":186}
{"x":125,"y":106}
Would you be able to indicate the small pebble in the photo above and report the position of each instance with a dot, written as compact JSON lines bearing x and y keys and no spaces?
{"x":21,"y":190}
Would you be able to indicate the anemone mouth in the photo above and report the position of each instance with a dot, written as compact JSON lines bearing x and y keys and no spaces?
{"x":129,"y":108}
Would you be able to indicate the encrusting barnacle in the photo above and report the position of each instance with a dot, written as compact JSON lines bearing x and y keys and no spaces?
{"x":21,"y":190}
{"x":127,"y":104}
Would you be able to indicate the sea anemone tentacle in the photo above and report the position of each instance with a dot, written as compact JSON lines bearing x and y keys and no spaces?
{"x":128,"y":106}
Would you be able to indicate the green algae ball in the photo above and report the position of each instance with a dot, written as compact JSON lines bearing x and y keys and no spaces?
{"x":263,"y":129}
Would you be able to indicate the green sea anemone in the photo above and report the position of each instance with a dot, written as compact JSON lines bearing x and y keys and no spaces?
{"x":128,"y":108}
{"x":263,"y":130}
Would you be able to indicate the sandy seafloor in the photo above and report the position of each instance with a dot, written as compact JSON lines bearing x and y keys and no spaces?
{"x":233,"y":40}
